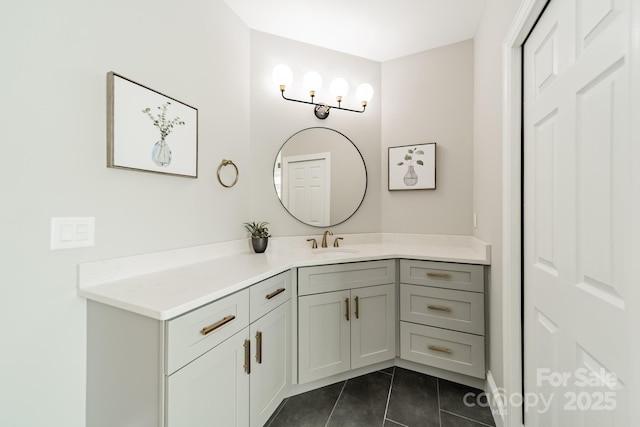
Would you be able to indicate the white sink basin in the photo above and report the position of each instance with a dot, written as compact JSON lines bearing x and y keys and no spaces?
{"x":334,"y":251}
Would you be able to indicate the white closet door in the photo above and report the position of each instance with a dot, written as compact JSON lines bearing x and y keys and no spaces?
{"x":576,"y":214}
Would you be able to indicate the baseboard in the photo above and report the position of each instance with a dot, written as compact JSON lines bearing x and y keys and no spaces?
{"x":455,"y":377}
{"x":313,"y":385}
{"x":441,"y":373}
{"x":496,"y":401}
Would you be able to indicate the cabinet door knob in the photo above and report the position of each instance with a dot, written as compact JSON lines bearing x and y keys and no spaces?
{"x":346,"y":314}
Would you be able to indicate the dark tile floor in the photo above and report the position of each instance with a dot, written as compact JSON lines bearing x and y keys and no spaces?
{"x":394,"y":397}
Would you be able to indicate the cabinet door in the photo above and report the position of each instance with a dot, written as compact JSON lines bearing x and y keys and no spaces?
{"x":373,"y":326}
{"x":213,"y":390}
{"x":271,"y":362}
{"x":323,"y":335}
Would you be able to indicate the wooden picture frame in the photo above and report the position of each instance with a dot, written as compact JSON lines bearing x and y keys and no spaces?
{"x":149,"y":131}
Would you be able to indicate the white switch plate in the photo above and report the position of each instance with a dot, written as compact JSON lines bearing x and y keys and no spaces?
{"x":73,"y":232}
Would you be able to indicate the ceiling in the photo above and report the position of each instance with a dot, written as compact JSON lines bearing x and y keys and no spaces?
{"x":379,"y":30}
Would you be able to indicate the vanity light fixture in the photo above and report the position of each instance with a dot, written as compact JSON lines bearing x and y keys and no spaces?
{"x":312,"y":82}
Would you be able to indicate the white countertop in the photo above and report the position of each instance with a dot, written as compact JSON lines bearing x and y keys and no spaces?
{"x":167,"y":284}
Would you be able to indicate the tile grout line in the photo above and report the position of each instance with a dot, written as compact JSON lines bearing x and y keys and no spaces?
{"x":395,"y":422}
{"x":465,"y":418}
{"x":336,"y":404}
{"x":386,"y":408}
{"x":386,"y":373}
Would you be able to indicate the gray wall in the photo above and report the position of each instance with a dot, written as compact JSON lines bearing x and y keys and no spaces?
{"x":487,"y":154}
{"x":274,"y":120}
{"x":53,"y":130}
{"x":428,"y":97}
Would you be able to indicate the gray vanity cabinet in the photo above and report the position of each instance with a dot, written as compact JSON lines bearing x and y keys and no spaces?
{"x":227,"y":363}
{"x":270,"y":333}
{"x":213,"y":389}
{"x":347,"y":317}
{"x":442,"y":315}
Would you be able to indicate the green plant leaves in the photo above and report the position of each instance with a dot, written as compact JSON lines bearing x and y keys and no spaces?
{"x":257,"y":229}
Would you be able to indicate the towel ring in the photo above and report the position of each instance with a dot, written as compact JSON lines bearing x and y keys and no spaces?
{"x":225,"y":163}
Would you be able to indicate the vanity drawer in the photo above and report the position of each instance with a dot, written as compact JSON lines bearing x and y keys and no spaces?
{"x":266,"y":295}
{"x":463,"y":277}
{"x":454,"y":351}
{"x":198,"y":331}
{"x":444,"y":308}
{"x":336,"y":277}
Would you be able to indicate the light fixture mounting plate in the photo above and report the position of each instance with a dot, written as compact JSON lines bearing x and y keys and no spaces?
{"x":321,"y":111}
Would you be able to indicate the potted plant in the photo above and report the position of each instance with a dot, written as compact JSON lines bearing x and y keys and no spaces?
{"x":259,"y":235}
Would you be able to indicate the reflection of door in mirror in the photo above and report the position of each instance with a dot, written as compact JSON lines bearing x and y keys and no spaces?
{"x":306,"y":187}
{"x":345,"y":178}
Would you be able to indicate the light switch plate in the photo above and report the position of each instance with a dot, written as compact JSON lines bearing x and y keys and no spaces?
{"x":72,"y":232}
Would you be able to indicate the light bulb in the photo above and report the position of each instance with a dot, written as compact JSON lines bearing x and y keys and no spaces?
{"x":282,"y":76}
{"x":364,"y":93}
{"x":312,"y":82}
{"x":339,"y":88}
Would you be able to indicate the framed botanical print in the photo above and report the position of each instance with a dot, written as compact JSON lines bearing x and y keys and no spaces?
{"x":149,"y":131}
{"x":412,"y":167}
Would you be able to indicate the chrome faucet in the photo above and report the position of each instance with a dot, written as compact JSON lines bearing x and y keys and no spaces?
{"x":324,"y":237}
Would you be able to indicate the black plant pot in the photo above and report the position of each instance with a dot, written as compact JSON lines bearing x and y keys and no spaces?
{"x":259,"y":244}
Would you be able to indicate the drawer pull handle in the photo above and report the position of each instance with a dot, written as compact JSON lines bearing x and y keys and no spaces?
{"x":275,"y":293}
{"x":357,"y":307}
{"x":217,"y":325}
{"x":440,"y":275}
{"x":346,"y":313}
{"x":439,"y":308}
{"x":259,"y":347}
{"x":440,"y":349}
{"x":247,"y":356}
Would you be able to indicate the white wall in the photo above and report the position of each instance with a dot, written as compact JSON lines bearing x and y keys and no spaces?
{"x":274,"y":120}
{"x":487,"y":173}
{"x":55,"y":57}
{"x":428,"y":97}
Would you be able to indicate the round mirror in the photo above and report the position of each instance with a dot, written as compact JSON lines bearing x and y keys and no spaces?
{"x":320,"y":177}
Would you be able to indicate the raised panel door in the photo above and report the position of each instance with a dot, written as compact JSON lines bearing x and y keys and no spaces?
{"x":577,"y":195}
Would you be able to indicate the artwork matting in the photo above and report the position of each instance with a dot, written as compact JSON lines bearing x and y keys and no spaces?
{"x":149,"y":131}
{"x":412,"y":167}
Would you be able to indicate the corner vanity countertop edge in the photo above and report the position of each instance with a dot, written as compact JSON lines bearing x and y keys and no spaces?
{"x":170,"y":292}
